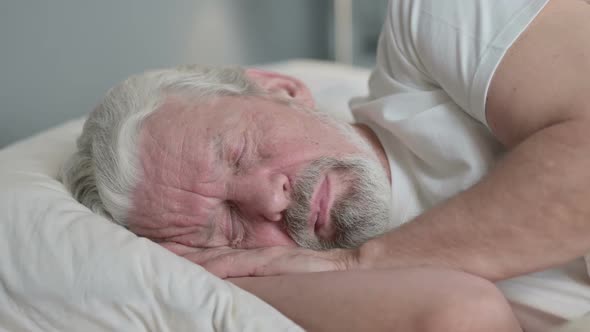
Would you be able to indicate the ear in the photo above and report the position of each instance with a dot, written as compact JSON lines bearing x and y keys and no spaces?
{"x":281,"y":85}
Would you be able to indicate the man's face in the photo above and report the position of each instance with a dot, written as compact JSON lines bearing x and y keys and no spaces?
{"x":251,"y":172}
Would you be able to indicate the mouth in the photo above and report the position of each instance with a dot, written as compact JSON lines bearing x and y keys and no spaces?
{"x":319,"y":216}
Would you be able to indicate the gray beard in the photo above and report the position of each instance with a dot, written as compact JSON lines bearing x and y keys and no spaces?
{"x":362,"y":212}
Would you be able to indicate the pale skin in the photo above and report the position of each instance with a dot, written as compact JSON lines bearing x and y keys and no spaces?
{"x":415,"y":299}
{"x":529,"y":213}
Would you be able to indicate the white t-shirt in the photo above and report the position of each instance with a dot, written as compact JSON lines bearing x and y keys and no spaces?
{"x":427,"y":95}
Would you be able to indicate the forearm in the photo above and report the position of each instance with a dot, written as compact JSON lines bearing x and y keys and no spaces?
{"x":384,"y":300}
{"x":531,"y":212}
{"x":333,"y":301}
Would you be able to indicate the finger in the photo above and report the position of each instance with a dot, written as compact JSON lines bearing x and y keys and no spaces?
{"x":179,"y":249}
{"x":223,"y":267}
{"x":305,"y":261}
{"x":293,"y":265}
{"x":243,"y":263}
{"x":204,"y":255}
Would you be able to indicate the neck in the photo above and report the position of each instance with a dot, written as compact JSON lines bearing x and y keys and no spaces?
{"x":371,"y":138}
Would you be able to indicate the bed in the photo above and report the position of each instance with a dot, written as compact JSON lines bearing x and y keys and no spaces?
{"x":64,"y":268}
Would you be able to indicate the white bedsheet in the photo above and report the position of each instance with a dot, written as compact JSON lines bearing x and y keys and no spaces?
{"x":65,"y":269}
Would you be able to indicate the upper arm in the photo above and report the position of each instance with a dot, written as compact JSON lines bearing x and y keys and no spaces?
{"x":544,"y":78}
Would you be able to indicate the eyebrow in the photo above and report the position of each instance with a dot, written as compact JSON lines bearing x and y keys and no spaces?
{"x":220,"y":144}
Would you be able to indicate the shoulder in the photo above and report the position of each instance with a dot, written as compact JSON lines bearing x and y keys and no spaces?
{"x":543,"y":78}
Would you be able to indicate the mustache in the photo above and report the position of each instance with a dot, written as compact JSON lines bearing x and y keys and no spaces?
{"x":297,"y":213}
{"x":362,"y":211}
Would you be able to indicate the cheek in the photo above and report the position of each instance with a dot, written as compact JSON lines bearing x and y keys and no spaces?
{"x":268,"y":234}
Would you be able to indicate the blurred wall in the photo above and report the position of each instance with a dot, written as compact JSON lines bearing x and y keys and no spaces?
{"x":58,"y":58}
{"x":367,"y":23}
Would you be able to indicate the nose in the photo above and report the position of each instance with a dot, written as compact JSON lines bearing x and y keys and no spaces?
{"x":266,"y":196}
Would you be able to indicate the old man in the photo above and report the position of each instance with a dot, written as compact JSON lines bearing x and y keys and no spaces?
{"x":467,"y":164}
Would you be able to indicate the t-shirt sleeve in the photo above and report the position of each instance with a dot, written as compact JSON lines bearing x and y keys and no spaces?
{"x":455,"y":45}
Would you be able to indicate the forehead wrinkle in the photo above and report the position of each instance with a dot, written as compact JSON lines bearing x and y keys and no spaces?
{"x":159,"y":153}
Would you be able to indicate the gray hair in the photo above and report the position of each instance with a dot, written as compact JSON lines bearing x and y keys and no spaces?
{"x":104,"y":170}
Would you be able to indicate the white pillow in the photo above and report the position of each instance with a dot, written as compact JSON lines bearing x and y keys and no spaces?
{"x":65,"y":268}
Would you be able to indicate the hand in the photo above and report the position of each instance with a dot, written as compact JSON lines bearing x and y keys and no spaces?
{"x":226,"y":262}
